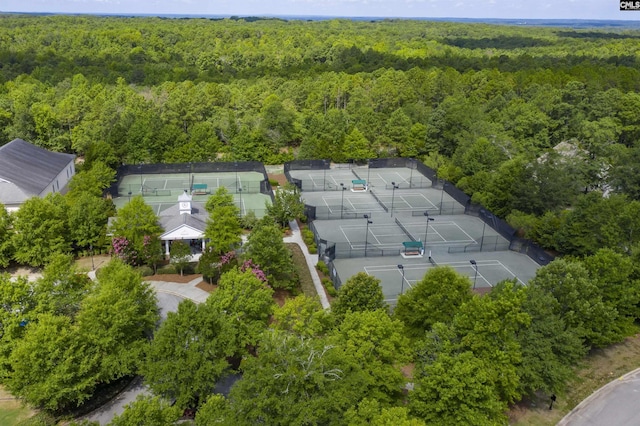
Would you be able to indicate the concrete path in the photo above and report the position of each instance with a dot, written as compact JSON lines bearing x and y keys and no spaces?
{"x":186,"y":291}
{"x":169,"y":296}
{"x":614,"y":404}
{"x":312,"y":260}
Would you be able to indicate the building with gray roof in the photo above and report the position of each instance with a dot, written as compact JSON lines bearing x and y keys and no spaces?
{"x":187,"y":220}
{"x":26,"y":171}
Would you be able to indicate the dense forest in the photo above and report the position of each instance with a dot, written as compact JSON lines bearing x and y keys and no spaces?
{"x":540,"y":125}
{"x":485,"y":105}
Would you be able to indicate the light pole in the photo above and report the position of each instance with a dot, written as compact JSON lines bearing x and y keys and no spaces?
{"x":475,"y":277}
{"x":129,"y":196}
{"x":393,"y":195}
{"x":484,"y":225}
{"x":140,"y":173}
{"x":324,"y":175}
{"x":442,"y":196}
{"x":240,"y":192}
{"x":366,"y":235}
{"x":411,"y":164}
{"x":342,"y":201}
{"x":236,"y":167}
{"x":429,"y":219}
{"x":401,"y":267}
{"x":91,"y":251}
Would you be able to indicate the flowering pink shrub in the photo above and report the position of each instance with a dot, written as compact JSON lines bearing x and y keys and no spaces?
{"x":255,"y":270}
{"x":122,"y":248}
{"x":227,"y":257}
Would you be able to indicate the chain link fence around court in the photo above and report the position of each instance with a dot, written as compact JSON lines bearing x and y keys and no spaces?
{"x":462,"y":205}
{"x":332,"y":213}
{"x":331,"y":250}
{"x":152,"y":188}
{"x":263,"y":186}
{"x":443,"y":208}
{"x":305,"y":165}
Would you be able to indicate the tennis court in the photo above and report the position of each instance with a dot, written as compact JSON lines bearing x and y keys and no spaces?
{"x":402,"y":177}
{"x":456,"y":233}
{"x":331,"y":179}
{"x":346,"y":201}
{"x":161,"y":191}
{"x":245,"y":202}
{"x":175,"y":183}
{"x":324,"y":180}
{"x":398,"y":201}
{"x":394,"y":280}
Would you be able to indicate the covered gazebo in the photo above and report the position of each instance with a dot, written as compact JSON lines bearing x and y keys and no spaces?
{"x":185,"y":221}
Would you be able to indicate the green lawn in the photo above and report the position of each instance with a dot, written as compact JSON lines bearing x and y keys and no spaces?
{"x":12,"y":411}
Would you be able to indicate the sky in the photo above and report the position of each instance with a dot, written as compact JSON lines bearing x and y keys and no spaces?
{"x":507,"y":9}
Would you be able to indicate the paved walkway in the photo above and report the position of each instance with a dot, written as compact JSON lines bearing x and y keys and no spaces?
{"x":312,"y":261}
{"x":614,"y":404}
{"x":186,"y":291}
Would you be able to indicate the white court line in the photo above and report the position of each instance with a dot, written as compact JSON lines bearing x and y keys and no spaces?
{"x":433,"y":228}
{"x":342,"y":228}
{"x":375,"y":236}
{"x":326,"y":203}
{"x":313,"y":182}
{"x":438,"y":234}
{"x":395,"y":233}
{"x":409,"y":205}
{"x":509,"y":271}
{"x":465,"y":233}
{"x":393,"y":226}
{"x":347,"y":238}
{"x":381,"y":178}
{"x":387,"y":268}
{"x":430,"y":204}
{"x":346,"y":207}
{"x":402,"y":177}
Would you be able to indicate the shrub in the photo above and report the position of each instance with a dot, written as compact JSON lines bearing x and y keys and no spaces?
{"x":249,"y":220}
{"x":312,"y":248}
{"x":166,"y":269}
{"x":308,"y":238}
{"x":328,"y":284}
{"x":145,"y":271}
{"x":322,"y":267}
{"x":274,"y":182}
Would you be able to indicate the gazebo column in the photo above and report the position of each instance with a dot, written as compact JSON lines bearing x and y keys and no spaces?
{"x":166,"y":247}
{"x":204,"y":245}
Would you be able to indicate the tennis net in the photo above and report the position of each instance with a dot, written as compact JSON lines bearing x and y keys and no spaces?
{"x":405,"y":230}
{"x":379,"y":202}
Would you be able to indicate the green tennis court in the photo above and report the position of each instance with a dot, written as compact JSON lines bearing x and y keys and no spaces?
{"x":153,"y":185}
{"x":491,"y":269}
{"x":161,"y":191}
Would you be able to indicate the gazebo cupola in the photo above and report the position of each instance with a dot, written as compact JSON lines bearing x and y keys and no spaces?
{"x":184,"y":203}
